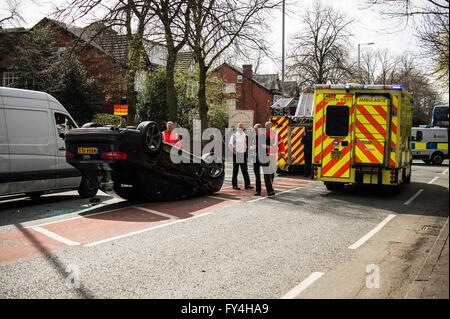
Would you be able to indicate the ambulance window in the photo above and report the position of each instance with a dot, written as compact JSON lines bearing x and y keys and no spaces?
{"x":337,"y":120}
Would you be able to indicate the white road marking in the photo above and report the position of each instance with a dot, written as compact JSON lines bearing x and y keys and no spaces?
{"x":55,"y":236}
{"x":143,"y":230}
{"x":372,"y":232}
{"x":223,"y":198}
{"x":265,"y":197}
{"x":303,"y":285}
{"x":156,"y":212}
{"x":76,"y":217}
{"x":433,"y":180}
{"x":413,"y":197}
{"x":445,"y":171}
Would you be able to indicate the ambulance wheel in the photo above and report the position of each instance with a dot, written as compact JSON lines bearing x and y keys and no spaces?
{"x":437,"y":158}
{"x":407,"y":178}
{"x":333,"y":186}
{"x":151,"y":136}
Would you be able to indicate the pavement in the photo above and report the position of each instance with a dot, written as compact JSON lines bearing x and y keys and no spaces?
{"x":432,"y":281}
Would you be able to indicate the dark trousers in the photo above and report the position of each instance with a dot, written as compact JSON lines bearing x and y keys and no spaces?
{"x":267,"y":179}
{"x":244,"y":170}
{"x":308,"y":168}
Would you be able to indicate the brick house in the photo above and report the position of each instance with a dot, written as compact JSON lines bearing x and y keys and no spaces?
{"x":102,"y":52}
{"x":243,"y":90}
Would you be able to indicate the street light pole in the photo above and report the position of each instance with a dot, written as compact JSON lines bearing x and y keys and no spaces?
{"x":282,"y":58}
{"x":359,"y":53}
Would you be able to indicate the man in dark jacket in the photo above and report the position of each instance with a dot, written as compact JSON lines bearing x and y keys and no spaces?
{"x":258,"y":146}
{"x":307,"y":143}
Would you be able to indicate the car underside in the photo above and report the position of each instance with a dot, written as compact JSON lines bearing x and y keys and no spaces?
{"x":135,"y":164}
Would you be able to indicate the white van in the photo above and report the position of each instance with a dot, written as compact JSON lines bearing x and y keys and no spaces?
{"x":32,"y":149}
{"x":430,"y":144}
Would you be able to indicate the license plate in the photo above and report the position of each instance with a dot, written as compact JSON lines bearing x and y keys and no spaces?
{"x":87,"y":150}
{"x":337,"y":155}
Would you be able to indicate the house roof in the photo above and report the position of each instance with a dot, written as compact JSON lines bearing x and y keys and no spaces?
{"x":269,"y":82}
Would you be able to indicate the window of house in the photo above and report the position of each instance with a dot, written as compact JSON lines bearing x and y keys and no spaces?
{"x":337,"y":117}
{"x":229,"y":88}
{"x":230,"y":103}
{"x":9,"y":78}
{"x":239,"y":79}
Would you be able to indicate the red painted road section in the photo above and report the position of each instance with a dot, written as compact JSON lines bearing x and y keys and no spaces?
{"x":27,"y":243}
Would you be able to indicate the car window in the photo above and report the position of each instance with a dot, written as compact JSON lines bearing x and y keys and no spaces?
{"x":63,"y":123}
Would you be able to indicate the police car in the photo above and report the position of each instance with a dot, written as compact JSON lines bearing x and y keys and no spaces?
{"x":430,"y":144}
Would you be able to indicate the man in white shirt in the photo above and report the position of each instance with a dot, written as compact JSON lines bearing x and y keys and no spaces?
{"x":238,"y":145}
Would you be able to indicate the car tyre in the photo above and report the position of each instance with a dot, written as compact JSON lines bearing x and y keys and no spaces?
{"x":214,"y":174}
{"x":87,"y":188}
{"x":151,"y":136}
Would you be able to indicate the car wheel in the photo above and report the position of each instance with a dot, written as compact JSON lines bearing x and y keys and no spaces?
{"x":151,"y":136}
{"x":215,"y":173}
{"x":437,"y":158}
{"x":87,"y":188}
{"x":334,"y":186}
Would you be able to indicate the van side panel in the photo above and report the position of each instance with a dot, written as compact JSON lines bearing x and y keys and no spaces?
{"x":4,"y":153}
{"x":31,"y":144}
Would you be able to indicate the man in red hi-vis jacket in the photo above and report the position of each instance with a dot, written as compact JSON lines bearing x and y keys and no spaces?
{"x":171,"y":137}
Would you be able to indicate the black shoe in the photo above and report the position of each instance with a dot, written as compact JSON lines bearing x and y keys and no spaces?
{"x":271,"y":194}
{"x":236,"y":188}
{"x":257,"y":193}
{"x":249,"y":187}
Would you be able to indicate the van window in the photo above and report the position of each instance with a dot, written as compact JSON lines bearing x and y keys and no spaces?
{"x":27,"y":126}
{"x":63,"y":123}
{"x":337,"y":117}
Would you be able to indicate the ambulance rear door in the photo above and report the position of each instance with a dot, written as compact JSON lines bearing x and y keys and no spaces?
{"x":337,"y":135}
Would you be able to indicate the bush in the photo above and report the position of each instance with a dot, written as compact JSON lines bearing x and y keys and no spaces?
{"x":108,"y":119}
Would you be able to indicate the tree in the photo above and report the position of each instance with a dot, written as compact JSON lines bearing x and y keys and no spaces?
{"x":43,"y":68}
{"x":174,"y":17}
{"x":131,"y":16}
{"x":321,"y":48}
{"x":217,"y":25}
{"x":430,"y":18}
{"x":13,"y":13}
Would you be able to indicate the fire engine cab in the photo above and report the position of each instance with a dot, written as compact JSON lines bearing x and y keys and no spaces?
{"x":362,"y":134}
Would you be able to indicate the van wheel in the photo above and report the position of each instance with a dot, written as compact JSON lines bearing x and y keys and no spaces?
{"x":151,"y":136}
{"x":87,"y":188}
{"x":35,"y":195}
{"x":437,"y":158}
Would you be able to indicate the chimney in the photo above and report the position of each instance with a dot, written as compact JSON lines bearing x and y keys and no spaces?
{"x":247,"y":70}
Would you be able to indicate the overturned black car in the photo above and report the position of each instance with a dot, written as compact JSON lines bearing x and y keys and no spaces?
{"x":135,"y":163}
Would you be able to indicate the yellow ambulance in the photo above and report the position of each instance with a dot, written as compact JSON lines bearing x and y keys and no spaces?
{"x":362,"y":134}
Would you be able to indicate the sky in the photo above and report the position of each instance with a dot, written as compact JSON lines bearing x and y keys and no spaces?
{"x":367,"y":27}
